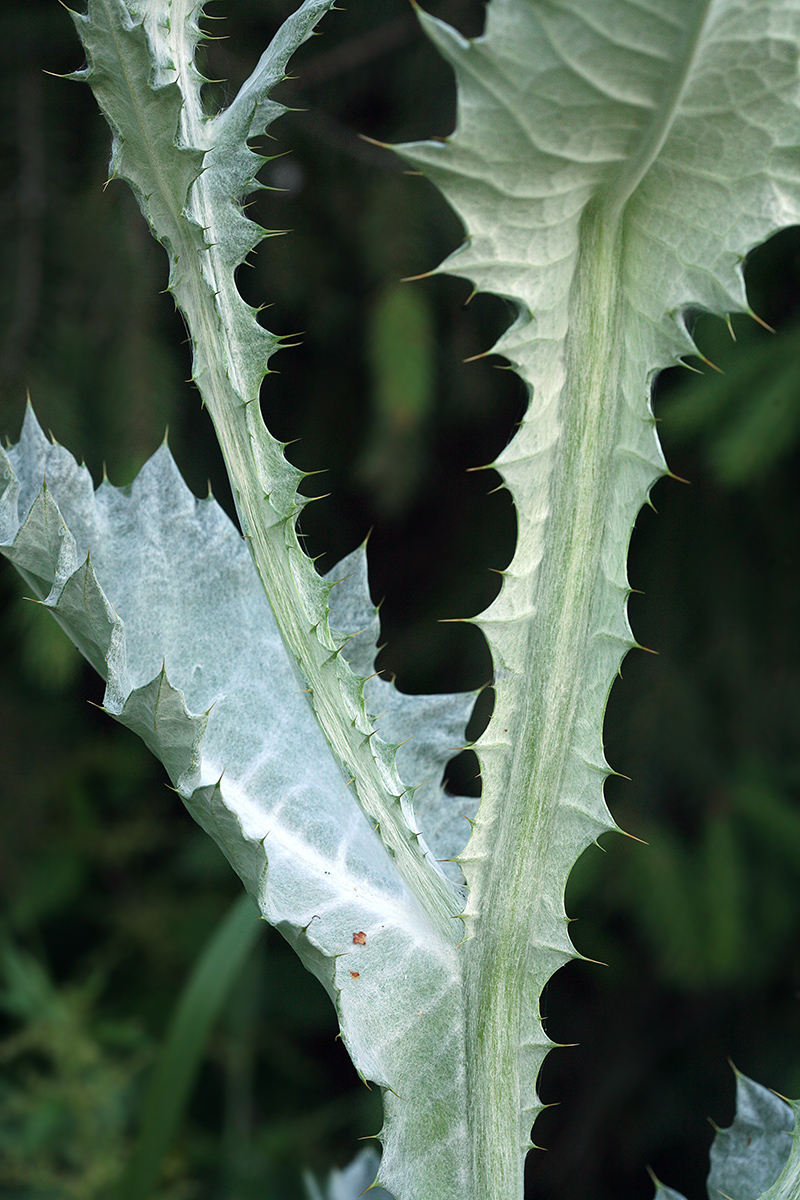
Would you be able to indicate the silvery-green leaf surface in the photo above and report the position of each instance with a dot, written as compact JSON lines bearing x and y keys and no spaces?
{"x":352,"y":1182}
{"x":160,"y":593}
{"x":757,"y":1157}
{"x":612,"y":163}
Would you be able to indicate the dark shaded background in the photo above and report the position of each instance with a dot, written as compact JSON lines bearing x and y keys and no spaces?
{"x":109,"y":891}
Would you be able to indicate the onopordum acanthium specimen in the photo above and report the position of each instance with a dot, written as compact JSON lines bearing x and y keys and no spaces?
{"x":612,"y":163}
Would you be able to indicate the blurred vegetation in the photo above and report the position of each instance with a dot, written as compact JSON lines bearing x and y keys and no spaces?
{"x":111,"y":897}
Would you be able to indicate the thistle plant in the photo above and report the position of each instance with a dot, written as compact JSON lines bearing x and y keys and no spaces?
{"x":612,"y":164}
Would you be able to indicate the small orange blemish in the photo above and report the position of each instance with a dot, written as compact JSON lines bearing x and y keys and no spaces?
{"x":355,"y":974}
{"x":360,"y":939}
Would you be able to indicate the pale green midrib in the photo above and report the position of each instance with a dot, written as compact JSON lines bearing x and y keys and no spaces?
{"x":313,"y":649}
{"x":616,"y":195}
{"x":500,"y":955}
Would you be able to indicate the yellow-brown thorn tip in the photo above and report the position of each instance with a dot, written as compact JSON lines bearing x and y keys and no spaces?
{"x":759,"y":321}
{"x":414,"y":278}
{"x":731,"y":330}
{"x":709,"y":363}
{"x":582,"y":958}
{"x":678,"y":478}
{"x":71,"y":76}
{"x":377,"y":675}
{"x":369,"y":1137}
{"x":632,"y":836}
{"x":474,"y":357}
{"x":374,"y":142}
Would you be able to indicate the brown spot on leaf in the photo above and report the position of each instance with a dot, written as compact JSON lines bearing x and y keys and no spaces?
{"x":360,"y":939}
{"x":355,"y":974}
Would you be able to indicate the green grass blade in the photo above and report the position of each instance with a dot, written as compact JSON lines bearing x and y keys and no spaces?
{"x":174,"y":1073}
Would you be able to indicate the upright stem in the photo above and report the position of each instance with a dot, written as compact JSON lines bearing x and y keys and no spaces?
{"x":512,"y":952}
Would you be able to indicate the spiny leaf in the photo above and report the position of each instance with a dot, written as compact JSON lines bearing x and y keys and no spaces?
{"x":159,"y":591}
{"x":612,"y":163}
{"x":757,"y":1157}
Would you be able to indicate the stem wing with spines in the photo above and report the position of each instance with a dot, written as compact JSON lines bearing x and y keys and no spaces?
{"x":191,"y":178}
{"x":611,"y":164}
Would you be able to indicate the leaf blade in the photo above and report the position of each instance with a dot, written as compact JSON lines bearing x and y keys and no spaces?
{"x":608,"y":176}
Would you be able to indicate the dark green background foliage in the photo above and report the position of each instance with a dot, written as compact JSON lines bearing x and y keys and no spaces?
{"x":109,"y":891}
